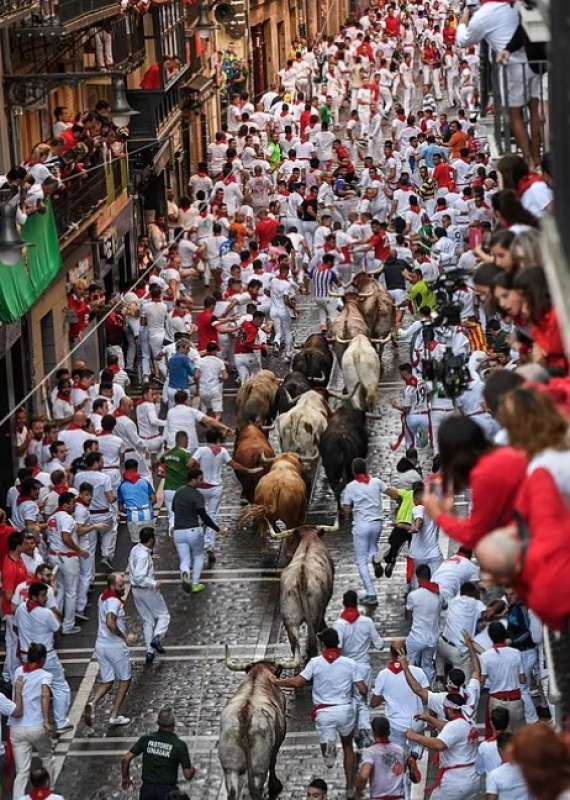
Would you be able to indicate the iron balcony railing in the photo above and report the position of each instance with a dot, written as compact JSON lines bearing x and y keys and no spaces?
{"x":81,"y":13}
{"x":517,"y":85}
{"x":14,"y":9}
{"x":83,"y":195}
{"x":156,"y":107}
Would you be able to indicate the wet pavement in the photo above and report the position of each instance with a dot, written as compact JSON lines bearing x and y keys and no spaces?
{"x":240,"y":608}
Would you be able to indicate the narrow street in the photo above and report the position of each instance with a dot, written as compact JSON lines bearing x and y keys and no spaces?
{"x":240,"y":608}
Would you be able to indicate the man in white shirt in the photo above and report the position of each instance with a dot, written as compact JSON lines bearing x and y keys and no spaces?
{"x":464,"y":614}
{"x":502,"y":667}
{"x":383,"y":764}
{"x":38,"y":623}
{"x":506,"y":782}
{"x":357,"y":634}
{"x":362,"y":498}
{"x":334,"y":677}
{"x":153,"y":317}
{"x":488,"y":756}
{"x":424,"y":548}
{"x":211,"y":376}
{"x":64,"y":552}
{"x":102,"y":507}
{"x":148,"y":598}
{"x":112,"y":651}
{"x":456,"y":744}
{"x":74,"y":436}
{"x":183,"y":417}
{"x":282,"y":293}
{"x":454,"y":572}
{"x":112,"y":448}
{"x":424,"y":604}
{"x":40,"y":782}
{"x":33,"y":729}
{"x":402,"y":704}
{"x":148,"y":423}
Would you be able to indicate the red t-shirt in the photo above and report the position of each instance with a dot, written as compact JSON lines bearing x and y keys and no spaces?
{"x":443,"y":176}
{"x":494,"y":484}
{"x":392,"y":26}
{"x":548,"y":337}
{"x":246,"y":339}
{"x":305,"y":120}
{"x":206,"y":331}
{"x":82,"y":310}
{"x":13,"y":573}
{"x":266,"y":231}
{"x":5,"y":532}
{"x":381,"y":245}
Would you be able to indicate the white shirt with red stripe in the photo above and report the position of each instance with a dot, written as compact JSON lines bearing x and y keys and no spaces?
{"x":332,"y":682}
{"x":457,"y":761}
{"x":388,"y":762}
{"x":503,"y":668}
{"x":402,"y":704}
{"x":356,"y":638}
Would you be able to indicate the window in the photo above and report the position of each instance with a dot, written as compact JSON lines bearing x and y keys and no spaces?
{"x":48,"y":342}
{"x":170,"y":36}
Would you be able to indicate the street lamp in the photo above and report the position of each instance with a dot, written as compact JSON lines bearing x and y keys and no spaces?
{"x":121,"y":112}
{"x":11,"y":245}
{"x":204,"y":26}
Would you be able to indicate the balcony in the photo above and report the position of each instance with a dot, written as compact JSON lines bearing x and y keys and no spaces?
{"x":159,"y":109}
{"x":14,"y":10}
{"x":69,"y":15}
{"x":84,"y":196}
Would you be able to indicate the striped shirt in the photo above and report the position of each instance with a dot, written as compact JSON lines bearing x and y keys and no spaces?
{"x":324,"y":278}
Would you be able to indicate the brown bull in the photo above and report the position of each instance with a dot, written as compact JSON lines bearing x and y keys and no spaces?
{"x":306,"y":584}
{"x":250,"y":447}
{"x":348,"y":324}
{"x":377,"y":308}
{"x":252,"y":729}
{"x":281,"y":494}
{"x":255,"y":400}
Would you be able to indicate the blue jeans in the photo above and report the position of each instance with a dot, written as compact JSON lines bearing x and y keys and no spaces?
{"x":189,"y":543}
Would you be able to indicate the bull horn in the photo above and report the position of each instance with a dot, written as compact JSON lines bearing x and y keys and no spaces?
{"x":331,"y":528}
{"x":342,"y":341}
{"x":310,"y":459}
{"x":321,"y":379}
{"x":278,"y":536}
{"x":382,"y":339}
{"x":290,"y":663}
{"x":336,"y":294}
{"x":268,"y":427}
{"x":232,"y":665}
{"x":365,"y":294}
{"x":298,"y":346}
{"x":265,"y":459}
{"x":373,"y":416}
{"x":292,"y":400}
{"x":338,"y":395}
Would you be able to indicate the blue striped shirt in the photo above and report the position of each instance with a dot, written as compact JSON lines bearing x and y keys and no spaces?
{"x":323,"y":281}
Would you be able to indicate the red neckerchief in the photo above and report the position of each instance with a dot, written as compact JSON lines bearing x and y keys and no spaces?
{"x":411,"y":382}
{"x":109,"y":593}
{"x":40,"y":794}
{"x":31,"y":667}
{"x":65,"y":399}
{"x":350,"y":615}
{"x":402,"y":117}
{"x":528,"y":181}
{"x":62,"y":489}
{"x":216,"y":449}
{"x":430,"y":586}
{"x":114,"y":368}
{"x":362,"y":478}
{"x":131,"y":475}
{"x":331,"y":654}
{"x":31,"y":604}
{"x":202,"y":174}
{"x":382,"y":740}
{"x":395,"y":667}
{"x":325,"y":267}
{"x":497,"y":647}
{"x":120,"y":413}
{"x":73,"y":426}
{"x":23,"y":498}
{"x":35,"y":471}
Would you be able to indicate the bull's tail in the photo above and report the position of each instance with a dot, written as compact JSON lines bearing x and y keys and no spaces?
{"x":250,"y":516}
{"x":309,"y":622}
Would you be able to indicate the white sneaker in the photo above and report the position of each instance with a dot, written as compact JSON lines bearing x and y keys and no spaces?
{"x":330,"y":755}
{"x":120,"y":720}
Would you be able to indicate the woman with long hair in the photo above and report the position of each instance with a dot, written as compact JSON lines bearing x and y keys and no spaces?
{"x":526,"y":249}
{"x":492,"y":474}
{"x":544,"y":759}
{"x":511,"y":213}
{"x":548,"y":348}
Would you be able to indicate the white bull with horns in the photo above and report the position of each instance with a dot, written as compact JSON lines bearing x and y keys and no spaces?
{"x":306,"y":583}
{"x":361,"y":370}
{"x":300,"y":428}
{"x":252,"y":729}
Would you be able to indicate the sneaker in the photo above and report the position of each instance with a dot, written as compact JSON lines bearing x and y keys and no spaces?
{"x":415,"y":774}
{"x":149,"y":659}
{"x":211,"y":559}
{"x":120,"y":720}
{"x":378,"y":568}
{"x":198,"y":587}
{"x":75,"y":629}
{"x":81,"y":615}
{"x":389,"y":569}
{"x":105,"y":562}
{"x":186,"y":582}
{"x":156,"y":645}
{"x":64,"y":728}
{"x":330,"y":755}
{"x":368,"y":600}
{"x":89,"y":715}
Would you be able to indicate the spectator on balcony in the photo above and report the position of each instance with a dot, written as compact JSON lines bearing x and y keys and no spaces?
{"x":63,"y":120}
{"x":533,"y":191}
{"x":497,"y":24}
{"x":152,"y":79}
{"x":104,"y":47}
{"x":157,"y":238}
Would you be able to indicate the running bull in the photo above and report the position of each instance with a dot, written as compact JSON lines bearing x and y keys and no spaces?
{"x":251,"y":445}
{"x":315,"y":359}
{"x":306,"y":583}
{"x":345,"y":439}
{"x":361,"y":372}
{"x":252,"y":729}
{"x":255,"y":400}
{"x":300,"y":428}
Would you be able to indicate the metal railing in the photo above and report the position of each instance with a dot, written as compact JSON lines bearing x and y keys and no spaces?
{"x":156,"y":107}
{"x":57,"y":13}
{"x":84,"y":195}
{"x":516,"y":85}
{"x":10,"y":8}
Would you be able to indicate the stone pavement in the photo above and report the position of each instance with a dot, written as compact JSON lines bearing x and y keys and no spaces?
{"x":239,"y":607}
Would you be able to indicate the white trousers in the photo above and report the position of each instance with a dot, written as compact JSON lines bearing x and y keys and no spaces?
{"x":283,"y":325}
{"x":168,"y":499}
{"x":212,"y":501}
{"x":86,"y":569}
{"x":408,"y":99}
{"x":327,"y":310}
{"x":386,"y":96}
{"x":68,"y":584}
{"x":11,"y":662}
{"x":413,"y":424}
{"x":530,"y":662}
{"x":109,"y":537}
{"x":436,"y":79}
{"x":365,"y":537}
{"x":24,"y":742}
{"x":421,"y":655}
{"x":247,"y":365}
{"x":59,"y":688}
{"x":364,"y":117}
{"x":189,"y":543}
{"x":153,"y":612}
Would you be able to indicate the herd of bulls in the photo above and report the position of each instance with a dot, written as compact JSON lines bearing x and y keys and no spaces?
{"x":300,"y":407}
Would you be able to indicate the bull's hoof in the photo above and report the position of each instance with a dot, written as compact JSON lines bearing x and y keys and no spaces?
{"x":275,"y":788}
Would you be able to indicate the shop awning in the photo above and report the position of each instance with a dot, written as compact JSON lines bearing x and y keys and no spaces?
{"x":23,"y":284}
